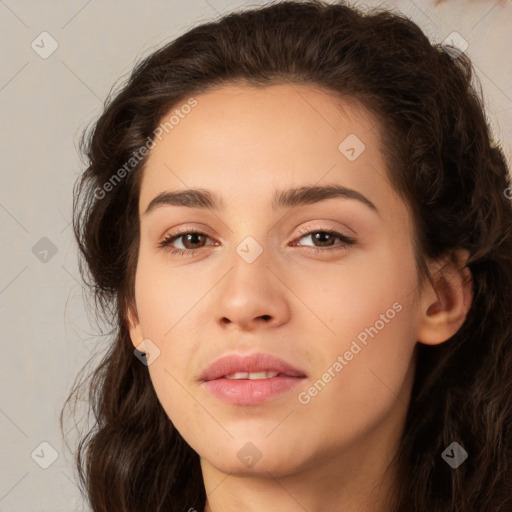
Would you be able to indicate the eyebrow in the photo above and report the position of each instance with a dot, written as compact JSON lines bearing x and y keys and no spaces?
{"x":293,"y":197}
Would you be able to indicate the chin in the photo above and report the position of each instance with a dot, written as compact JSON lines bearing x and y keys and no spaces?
{"x":250,"y":455}
{"x":271,"y":464}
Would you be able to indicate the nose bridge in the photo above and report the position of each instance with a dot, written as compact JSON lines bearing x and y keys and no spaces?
{"x":250,"y":290}
{"x":248,"y":262}
{"x":249,"y":246}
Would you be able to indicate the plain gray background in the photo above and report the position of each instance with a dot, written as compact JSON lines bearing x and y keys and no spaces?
{"x":47,"y":334}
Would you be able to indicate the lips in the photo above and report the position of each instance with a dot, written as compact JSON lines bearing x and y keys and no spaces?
{"x":238,"y":364}
{"x":251,"y":380}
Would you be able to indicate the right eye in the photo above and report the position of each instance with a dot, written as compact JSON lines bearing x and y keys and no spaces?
{"x":192,"y":239}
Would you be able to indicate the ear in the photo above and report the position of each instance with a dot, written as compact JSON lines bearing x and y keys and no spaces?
{"x":134,"y":326}
{"x":446,"y":300}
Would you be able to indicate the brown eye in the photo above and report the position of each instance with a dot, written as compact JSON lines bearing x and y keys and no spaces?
{"x":327,"y":239}
{"x":323,"y":238}
{"x":190,"y":241}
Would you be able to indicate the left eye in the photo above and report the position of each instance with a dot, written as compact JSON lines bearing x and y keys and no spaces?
{"x":326,"y":238}
{"x":191,"y":241}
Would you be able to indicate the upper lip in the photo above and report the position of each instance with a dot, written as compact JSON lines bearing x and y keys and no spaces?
{"x":259,"y":362}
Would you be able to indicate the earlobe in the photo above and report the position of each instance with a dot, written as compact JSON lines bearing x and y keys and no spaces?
{"x":134,"y":326}
{"x":446,"y":300}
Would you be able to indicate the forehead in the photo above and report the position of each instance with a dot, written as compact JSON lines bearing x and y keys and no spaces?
{"x":242,"y":139}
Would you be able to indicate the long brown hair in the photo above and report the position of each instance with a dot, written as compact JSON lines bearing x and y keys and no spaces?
{"x":441,"y":159}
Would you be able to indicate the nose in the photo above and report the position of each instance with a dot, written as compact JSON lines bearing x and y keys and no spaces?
{"x":252,"y":295}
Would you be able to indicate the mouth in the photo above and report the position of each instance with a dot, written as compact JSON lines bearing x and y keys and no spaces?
{"x":254,"y":375}
{"x":250,"y":380}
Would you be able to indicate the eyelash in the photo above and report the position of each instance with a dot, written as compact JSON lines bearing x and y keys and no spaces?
{"x":165,"y":243}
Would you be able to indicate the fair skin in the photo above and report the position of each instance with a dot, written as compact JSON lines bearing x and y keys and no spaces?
{"x":243,"y":144}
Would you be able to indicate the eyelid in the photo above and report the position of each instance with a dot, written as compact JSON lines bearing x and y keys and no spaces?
{"x":322,"y":224}
{"x":307,"y":230}
{"x":203,"y":230}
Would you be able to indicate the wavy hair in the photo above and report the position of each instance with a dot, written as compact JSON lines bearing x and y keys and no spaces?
{"x":441,"y":159}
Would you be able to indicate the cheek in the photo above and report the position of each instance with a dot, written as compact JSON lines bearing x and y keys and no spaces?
{"x":168,"y":381}
{"x":166,"y":298}
{"x":168,"y":304}
{"x":367,"y":310}
{"x":371,"y":374}
{"x":375,"y":335}
{"x":365,"y":289}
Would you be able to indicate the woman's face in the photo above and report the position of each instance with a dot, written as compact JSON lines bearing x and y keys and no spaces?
{"x":324,"y":281}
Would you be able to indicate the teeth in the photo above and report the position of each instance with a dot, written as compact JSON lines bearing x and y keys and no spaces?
{"x":252,"y":375}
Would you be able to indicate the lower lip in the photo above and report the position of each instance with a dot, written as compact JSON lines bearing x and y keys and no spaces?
{"x":251,"y":392}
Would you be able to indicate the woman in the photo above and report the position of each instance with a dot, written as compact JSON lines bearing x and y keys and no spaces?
{"x":298,"y":215}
